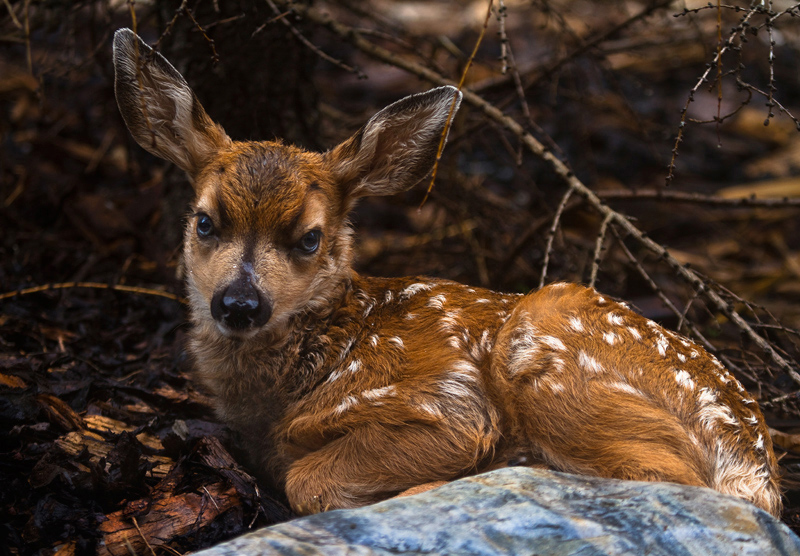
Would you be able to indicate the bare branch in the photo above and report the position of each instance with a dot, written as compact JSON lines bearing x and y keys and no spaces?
{"x":560,"y":169}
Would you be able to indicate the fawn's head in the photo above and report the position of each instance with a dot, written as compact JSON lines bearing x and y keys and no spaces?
{"x":268,"y":236}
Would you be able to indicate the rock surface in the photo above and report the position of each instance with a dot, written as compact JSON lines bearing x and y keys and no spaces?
{"x":531,"y":511}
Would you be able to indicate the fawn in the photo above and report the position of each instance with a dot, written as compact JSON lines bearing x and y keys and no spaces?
{"x":348,"y":389}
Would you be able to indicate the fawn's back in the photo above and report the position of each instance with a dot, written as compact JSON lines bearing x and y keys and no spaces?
{"x":349,"y":389}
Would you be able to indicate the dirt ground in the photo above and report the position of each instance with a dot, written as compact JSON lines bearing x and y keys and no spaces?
{"x":106,"y":443}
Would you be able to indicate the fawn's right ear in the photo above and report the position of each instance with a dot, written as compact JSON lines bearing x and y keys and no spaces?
{"x":397,"y":147}
{"x":160,"y":109}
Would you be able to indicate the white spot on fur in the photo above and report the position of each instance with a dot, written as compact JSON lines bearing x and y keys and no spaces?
{"x":752,"y":420}
{"x":346,"y":404}
{"x":590,"y":363}
{"x":429,"y":408}
{"x":681,"y":357}
{"x":635,"y":333}
{"x":610,"y":338}
{"x":450,"y":318}
{"x":710,"y":416}
{"x":523,"y":352}
{"x":553,"y":343}
{"x":373,"y":340}
{"x":615,"y":319}
{"x":388,"y":297}
{"x":694,"y":354}
{"x":414,"y":289}
{"x":482,"y":300}
{"x":456,"y":386}
{"x":707,"y":396}
{"x":397,"y":341}
{"x":759,"y":445}
{"x":662,"y":344}
{"x":684,"y":379}
{"x":557,"y":388}
{"x":437,"y":301}
{"x":625,"y":387}
{"x":368,"y":310}
{"x":466,"y":369}
{"x":346,"y":349}
{"x":410,"y":316}
{"x":601,"y":300}
{"x":576,"y":324}
{"x":376,"y":393}
{"x":354,"y":366}
{"x":335,"y":375}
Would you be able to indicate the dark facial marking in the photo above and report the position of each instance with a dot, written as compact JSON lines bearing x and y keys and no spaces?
{"x":224,"y":214}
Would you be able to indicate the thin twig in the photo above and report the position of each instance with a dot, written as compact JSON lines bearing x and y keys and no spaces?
{"x":682,"y":319}
{"x":656,"y":289}
{"x":213,"y":501}
{"x":783,"y":398}
{"x":771,"y":88}
{"x":168,"y":29}
{"x":736,"y":33}
{"x":697,"y":198}
{"x":93,"y":285}
{"x":543,"y":72}
{"x":551,"y":234}
{"x":451,"y":113}
{"x":299,"y":36}
{"x":147,"y":544}
{"x":598,"y":247}
{"x":209,"y":40}
{"x":14,"y":19}
{"x":28,"y":53}
{"x":501,"y":22}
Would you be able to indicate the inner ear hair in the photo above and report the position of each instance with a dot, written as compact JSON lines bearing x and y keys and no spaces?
{"x":159,"y":108}
{"x":397,"y":147}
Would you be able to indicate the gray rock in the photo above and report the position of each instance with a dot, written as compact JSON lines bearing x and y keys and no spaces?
{"x":530,"y":511}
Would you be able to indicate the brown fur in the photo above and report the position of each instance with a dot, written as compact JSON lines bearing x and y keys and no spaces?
{"x":354,"y":389}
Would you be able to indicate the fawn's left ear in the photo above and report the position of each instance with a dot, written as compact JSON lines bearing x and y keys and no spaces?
{"x":159,"y":108}
{"x":397,"y":147}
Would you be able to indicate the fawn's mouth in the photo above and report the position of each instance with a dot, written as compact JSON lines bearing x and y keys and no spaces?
{"x":236,"y":333}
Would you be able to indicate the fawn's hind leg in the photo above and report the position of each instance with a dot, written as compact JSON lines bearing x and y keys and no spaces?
{"x":568,"y":395}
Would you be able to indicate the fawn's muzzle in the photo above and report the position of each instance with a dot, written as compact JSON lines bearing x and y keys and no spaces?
{"x":241,"y":305}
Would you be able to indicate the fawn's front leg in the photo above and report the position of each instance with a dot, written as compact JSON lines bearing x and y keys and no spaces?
{"x":376,"y":461}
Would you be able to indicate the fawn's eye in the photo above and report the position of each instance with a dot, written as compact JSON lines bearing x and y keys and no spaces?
{"x":205,"y":226}
{"x":309,"y":242}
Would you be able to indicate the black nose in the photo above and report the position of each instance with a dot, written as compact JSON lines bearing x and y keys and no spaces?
{"x":240,"y":305}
